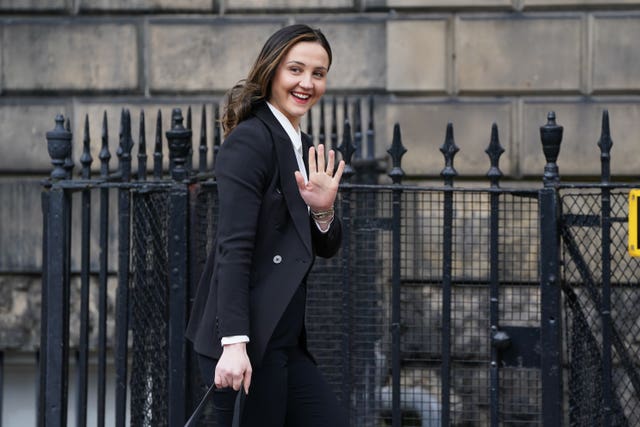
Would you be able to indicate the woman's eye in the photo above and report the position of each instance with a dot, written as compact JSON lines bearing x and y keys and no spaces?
{"x":295,"y":69}
{"x":319,"y":74}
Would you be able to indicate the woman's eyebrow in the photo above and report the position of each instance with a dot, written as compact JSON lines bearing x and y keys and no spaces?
{"x":293,"y":61}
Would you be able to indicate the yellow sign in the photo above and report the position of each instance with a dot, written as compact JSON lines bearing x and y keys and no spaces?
{"x":634,"y":230}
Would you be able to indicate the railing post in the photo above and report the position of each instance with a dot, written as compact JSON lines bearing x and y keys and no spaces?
{"x":396,"y":151}
{"x":124,"y":252}
{"x":498,"y":338}
{"x":449,"y":150}
{"x":104,"y":157}
{"x":178,"y":213}
{"x":605,"y":143}
{"x":85,"y":260}
{"x":55,"y":305}
{"x":550,"y":280}
{"x":346,"y":149}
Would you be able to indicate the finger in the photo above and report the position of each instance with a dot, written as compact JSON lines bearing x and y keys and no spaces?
{"x":331,"y":163}
{"x":312,"y":160}
{"x":321,"y":158}
{"x":237,"y":382}
{"x":338,"y":174}
{"x":247,"y":381}
{"x":217,"y":381}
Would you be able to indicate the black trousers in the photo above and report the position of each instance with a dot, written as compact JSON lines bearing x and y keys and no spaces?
{"x":287,"y":390}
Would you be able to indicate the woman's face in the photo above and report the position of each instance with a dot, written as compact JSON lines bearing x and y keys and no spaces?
{"x":300,"y":80}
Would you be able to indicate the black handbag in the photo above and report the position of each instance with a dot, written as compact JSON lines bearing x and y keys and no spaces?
{"x":237,"y":407}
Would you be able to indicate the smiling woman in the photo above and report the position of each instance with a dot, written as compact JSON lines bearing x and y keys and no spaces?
{"x":275,"y":214}
{"x":300,"y":80}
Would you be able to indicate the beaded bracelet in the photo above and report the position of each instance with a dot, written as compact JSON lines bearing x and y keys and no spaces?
{"x":322,"y":215}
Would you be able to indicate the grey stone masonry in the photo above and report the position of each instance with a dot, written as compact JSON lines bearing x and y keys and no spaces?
{"x":449,"y":59}
{"x":503,"y":54}
{"x":59,"y":55}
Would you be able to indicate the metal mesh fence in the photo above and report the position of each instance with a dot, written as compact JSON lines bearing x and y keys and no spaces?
{"x":204,"y":206}
{"x":350,"y":305}
{"x":149,"y":310}
{"x":585,"y":300}
{"x":349,"y":325}
{"x":422,"y":305}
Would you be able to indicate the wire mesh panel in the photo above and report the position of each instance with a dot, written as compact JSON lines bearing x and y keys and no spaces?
{"x":350,"y":308}
{"x":346,"y":311}
{"x":149,"y":310}
{"x":204,"y":215}
{"x":584,"y":295}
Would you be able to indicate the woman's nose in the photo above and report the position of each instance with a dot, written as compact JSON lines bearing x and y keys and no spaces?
{"x":306,"y":81}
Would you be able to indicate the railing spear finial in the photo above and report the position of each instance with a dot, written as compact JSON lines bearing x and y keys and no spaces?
{"x":142,"y":149}
{"x":69,"y":164}
{"x":347,"y":149}
{"x":357,"y":128}
{"x":202,"y":149}
{"x":396,"y":152}
{"x":126,"y":145}
{"x":494,"y":151}
{"x":85,"y":158}
{"x":157,"y":149}
{"x":449,"y":150}
{"x":605,"y":143}
{"x":370,"y":131}
{"x":104,"y":155}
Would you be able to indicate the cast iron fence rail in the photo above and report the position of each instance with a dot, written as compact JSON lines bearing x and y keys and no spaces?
{"x":445,"y":306}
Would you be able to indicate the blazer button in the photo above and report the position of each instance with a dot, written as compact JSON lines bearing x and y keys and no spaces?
{"x":277,"y":259}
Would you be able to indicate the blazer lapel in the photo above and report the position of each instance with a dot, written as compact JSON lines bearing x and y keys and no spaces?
{"x":287,"y":165}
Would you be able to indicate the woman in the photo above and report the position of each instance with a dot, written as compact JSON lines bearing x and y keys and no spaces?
{"x":275,"y":216}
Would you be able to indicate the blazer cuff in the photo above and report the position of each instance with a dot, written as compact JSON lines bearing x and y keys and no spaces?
{"x":320,"y":229}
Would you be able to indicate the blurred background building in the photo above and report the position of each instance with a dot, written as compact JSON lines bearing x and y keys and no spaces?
{"x":427,"y":62}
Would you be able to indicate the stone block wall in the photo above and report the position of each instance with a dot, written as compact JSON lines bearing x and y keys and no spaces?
{"x":428,"y":62}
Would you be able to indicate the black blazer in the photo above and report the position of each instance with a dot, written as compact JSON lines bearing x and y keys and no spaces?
{"x":266,"y":241}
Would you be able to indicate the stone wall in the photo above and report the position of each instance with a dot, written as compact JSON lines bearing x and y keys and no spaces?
{"x":429,"y":62}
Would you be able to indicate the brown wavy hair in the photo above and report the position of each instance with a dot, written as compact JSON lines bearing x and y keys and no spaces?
{"x":247,"y":93}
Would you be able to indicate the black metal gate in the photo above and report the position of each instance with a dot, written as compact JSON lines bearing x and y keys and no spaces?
{"x":447,"y":305}
{"x":600,"y":290}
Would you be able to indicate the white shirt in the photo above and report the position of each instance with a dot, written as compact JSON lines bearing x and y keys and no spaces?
{"x":295,"y":136}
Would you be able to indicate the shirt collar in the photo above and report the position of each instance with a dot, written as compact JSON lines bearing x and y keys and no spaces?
{"x":294,"y":135}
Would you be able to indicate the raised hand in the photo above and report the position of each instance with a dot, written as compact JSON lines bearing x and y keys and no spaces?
{"x":320,"y":191}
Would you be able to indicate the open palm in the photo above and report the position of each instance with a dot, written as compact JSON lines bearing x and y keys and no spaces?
{"x":319,"y":192}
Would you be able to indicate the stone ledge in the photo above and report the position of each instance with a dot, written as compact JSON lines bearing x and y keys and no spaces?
{"x":147,"y":5}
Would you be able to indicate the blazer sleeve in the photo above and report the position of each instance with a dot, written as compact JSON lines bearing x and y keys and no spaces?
{"x":327,"y":244}
{"x":243,"y":167}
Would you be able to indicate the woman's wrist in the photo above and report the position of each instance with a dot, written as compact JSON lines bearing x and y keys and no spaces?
{"x":324,"y":215}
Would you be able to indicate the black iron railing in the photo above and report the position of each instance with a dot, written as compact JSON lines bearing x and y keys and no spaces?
{"x":445,"y":306}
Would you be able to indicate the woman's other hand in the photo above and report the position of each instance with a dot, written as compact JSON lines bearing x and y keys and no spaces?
{"x":320,"y":191}
{"x":234,"y":368}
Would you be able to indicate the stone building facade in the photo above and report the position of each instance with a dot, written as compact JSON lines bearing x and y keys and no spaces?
{"x":428,"y":62}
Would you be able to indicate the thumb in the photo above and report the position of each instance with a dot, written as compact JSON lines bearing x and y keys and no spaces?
{"x":300,"y":181}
